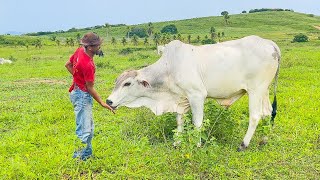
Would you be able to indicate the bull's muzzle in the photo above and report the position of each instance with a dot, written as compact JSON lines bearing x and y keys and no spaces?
{"x":109,"y":102}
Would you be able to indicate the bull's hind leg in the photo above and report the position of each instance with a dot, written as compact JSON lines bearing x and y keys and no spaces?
{"x":266,"y":105}
{"x":266,"y":111}
{"x":255,"y":112}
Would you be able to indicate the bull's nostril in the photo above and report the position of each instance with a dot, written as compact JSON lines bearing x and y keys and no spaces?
{"x":109,"y":102}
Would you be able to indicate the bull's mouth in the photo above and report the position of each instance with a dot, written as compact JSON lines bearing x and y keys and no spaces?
{"x":114,"y":107}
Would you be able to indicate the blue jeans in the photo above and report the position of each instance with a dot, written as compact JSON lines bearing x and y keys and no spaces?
{"x":82,"y":103}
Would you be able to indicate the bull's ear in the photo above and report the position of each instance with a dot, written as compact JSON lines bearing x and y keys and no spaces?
{"x":145,"y":83}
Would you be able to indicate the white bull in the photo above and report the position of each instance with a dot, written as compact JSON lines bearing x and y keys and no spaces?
{"x":186,"y":75}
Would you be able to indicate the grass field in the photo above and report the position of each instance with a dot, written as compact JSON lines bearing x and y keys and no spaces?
{"x":37,"y":121}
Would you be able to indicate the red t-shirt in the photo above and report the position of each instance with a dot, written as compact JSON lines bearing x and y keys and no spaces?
{"x":83,"y":69}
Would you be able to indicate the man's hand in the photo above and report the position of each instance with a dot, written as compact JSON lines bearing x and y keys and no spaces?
{"x":108,"y":107}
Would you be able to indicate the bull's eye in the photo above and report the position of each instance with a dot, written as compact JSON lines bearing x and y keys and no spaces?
{"x":127,"y":84}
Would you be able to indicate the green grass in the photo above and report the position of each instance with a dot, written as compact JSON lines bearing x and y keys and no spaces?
{"x":37,"y":121}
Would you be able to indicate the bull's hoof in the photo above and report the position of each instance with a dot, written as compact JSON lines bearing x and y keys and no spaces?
{"x":242,"y":147}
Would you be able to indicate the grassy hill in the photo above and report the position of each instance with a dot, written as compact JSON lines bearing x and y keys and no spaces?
{"x":37,"y":121}
{"x":280,"y":25}
{"x":263,"y":23}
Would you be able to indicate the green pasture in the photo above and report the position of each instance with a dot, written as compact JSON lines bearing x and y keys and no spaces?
{"x":37,"y":121}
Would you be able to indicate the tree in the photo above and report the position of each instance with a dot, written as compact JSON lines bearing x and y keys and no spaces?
{"x":224,"y":13}
{"x":163,"y":39}
{"x":179,"y":37}
{"x":58,"y":42}
{"x":67,"y":42}
{"x":107,"y":26}
{"x":140,"y":32}
{"x":38,"y":43}
{"x":226,"y":16}
{"x":213,"y":32}
{"x":145,"y":42}
{"x":156,"y":38}
{"x":150,"y":28}
{"x":170,"y":29}
{"x":243,"y":12}
{"x":71,"y":42}
{"x":113,"y":41}
{"x":72,"y":30}
{"x":53,"y":38}
{"x":128,"y":31}
{"x":198,"y":38}
{"x":189,"y":38}
{"x":78,"y":38}
{"x":124,"y":41}
{"x":135,"y":40}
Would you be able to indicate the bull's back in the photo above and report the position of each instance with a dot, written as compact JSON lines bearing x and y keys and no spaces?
{"x":226,"y":68}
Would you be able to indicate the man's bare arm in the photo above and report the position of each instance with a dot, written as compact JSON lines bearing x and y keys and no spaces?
{"x":95,"y":95}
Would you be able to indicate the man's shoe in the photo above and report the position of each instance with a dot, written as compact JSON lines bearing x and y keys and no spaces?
{"x":86,"y":154}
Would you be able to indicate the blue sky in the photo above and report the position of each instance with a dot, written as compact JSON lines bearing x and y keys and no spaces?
{"x":43,"y":15}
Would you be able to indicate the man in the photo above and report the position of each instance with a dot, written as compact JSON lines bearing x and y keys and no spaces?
{"x":82,"y":68}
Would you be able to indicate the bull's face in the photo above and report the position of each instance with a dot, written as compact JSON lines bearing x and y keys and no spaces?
{"x":128,"y":88}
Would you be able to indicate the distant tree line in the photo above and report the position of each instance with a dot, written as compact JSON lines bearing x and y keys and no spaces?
{"x":41,"y":33}
{"x":268,"y":9}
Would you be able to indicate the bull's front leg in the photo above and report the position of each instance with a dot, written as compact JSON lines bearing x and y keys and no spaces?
{"x":197,"y":104}
{"x":180,"y":123}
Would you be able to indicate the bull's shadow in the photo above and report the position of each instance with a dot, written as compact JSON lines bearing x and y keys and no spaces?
{"x":223,"y":125}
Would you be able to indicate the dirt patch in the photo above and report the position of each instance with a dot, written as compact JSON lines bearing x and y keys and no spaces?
{"x":41,"y":81}
{"x":317,"y":27}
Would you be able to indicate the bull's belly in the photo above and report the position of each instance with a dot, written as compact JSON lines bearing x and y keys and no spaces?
{"x":224,"y":89}
{"x":229,"y":99}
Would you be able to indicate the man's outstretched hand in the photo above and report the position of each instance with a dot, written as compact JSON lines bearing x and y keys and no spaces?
{"x":105,"y":105}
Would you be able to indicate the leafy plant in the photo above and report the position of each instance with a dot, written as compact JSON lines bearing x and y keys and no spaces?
{"x":300,"y":38}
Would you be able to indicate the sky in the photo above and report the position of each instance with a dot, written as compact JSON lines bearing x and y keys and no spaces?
{"x":25,"y":16}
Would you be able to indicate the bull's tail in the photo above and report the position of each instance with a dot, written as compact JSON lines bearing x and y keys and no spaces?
{"x":274,"y":110}
{"x":274,"y":104}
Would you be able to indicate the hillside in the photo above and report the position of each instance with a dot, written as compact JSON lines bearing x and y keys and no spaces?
{"x":282,"y":24}
{"x":275,"y":25}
